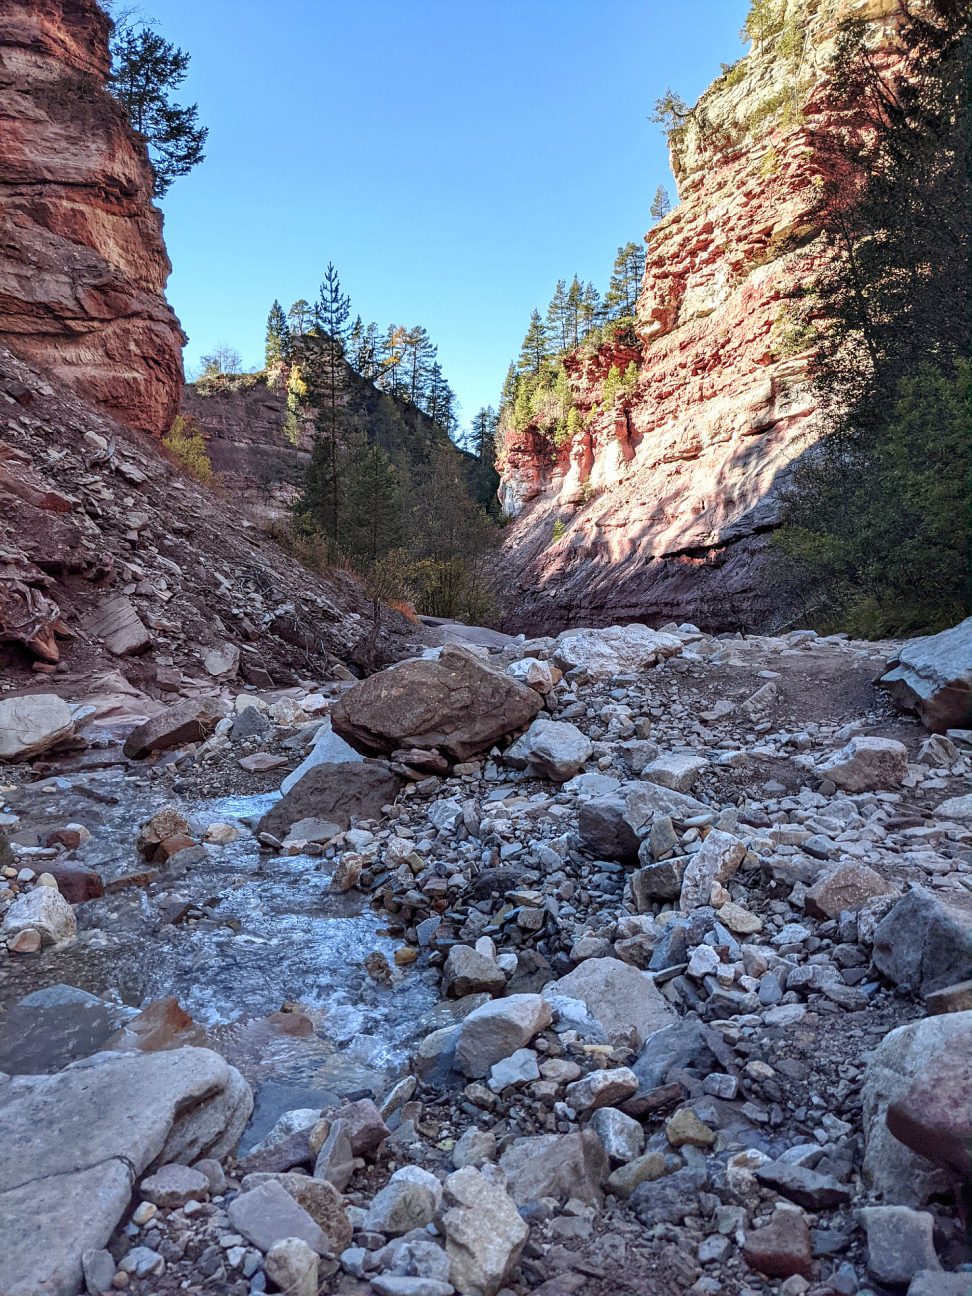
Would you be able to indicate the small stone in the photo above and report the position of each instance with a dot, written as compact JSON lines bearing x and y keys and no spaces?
{"x":602,"y":1089}
{"x":173,"y":1185}
{"x":782,"y":1247}
{"x":740,"y":921}
{"x":467,"y":971}
{"x":142,"y":1262}
{"x":623,"y":1181}
{"x":408,"y":1201}
{"x":497,"y":1029}
{"x":474,"y":1148}
{"x":899,"y":1243}
{"x":484,"y":1233}
{"x":293,"y":1267}
{"x":622,"y":1136}
{"x":268,"y":1214}
{"x":98,"y":1268}
{"x":684,"y":1127}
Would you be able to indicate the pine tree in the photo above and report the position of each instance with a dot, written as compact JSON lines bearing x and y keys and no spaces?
{"x":535,"y":347}
{"x":621,"y":297}
{"x":277,"y":349}
{"x":590,"y":311}
{"x":575,"y":302}
{"x":483,"y":438}
{"x":419,"y":355}
{"x":325,"y":374}
{"x":299,"y":317}
{"x":145,"y":68}
{"x":661,"y":204}
{"x":393,"y":349}
{"x":557,"y":317}
{"x":373,"y":521}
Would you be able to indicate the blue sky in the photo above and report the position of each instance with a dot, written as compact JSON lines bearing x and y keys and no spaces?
{"x":453,"y":158}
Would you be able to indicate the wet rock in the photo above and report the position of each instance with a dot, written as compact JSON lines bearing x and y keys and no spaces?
{"x":908,"y":1061}
{"x":553,"y":749}
{"x":782,"y":1247}
{"x":186,"y":722}
{"x":495,"y":1030}
{"x":33,"y":724}
{"x":173,"y":1185}
{"x":457,"y":704}
{"x":484,"y":1233}
{"x":72,"y":1142}
{"x":268,"y":1214}
{"x":76,"y":883}
{"x":716,"y":861}
{"x":622,"y":999}
{"x":923,"y":943}
{"x":45,"y":911}
{"x":337,"y":792}
{"x":327,"y":749}
{"x":867,"y":765}
{"x":556,"y":1165}
{"x":846,"y":887}
{"x":933,"y":677}
{"x":899,"y":1243}
{"x":292,"y":1266}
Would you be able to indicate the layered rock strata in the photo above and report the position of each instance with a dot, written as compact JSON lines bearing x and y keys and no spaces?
{"x":665,"y":500}
{"x":82,"y":263}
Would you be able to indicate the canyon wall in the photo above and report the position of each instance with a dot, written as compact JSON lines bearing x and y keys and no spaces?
{"x":661,"y":508}
{"x":82,"y":262}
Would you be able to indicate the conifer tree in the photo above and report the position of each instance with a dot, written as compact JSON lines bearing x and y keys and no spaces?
{"x":373,"y":521}
{"x":557,"y":317}
{"x":145,"y":69}
{"x":590,"y":309}
{"x":277,"y":349}
{"x":536,"y":342}
{"x":299,"y":317}
{"x":575,"y":302}
{"x":661,"y":204}
{"x":325,"y":374}
{"x":483,"y":441}
{"x":622,"y":294}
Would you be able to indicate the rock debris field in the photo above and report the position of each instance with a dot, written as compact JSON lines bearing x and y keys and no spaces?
{"x":630,"y":961}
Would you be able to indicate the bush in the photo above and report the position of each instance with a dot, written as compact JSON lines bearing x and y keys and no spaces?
{"x":559,"y":530}
{"x":875,"y":534}
{"x":186,"y":444}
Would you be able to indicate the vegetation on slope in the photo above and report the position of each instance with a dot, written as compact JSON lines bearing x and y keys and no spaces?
{"x":876,"y":522}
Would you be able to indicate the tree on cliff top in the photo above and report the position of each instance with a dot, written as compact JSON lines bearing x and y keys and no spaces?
{"x":145,"y":69}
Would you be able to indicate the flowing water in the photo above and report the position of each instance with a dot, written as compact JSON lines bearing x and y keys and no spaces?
{"x":264,"y":931}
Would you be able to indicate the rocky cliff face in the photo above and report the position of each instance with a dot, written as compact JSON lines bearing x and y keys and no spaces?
{"x":666,"y":500}
{"x":82,"y":262}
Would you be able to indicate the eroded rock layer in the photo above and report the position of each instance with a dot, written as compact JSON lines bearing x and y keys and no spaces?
{"x":666,"y":499}
{"x":82,"y":262}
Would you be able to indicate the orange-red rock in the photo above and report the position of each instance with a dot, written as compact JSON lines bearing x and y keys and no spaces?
{"x":82,"y":262}
{"x":666,"y":500}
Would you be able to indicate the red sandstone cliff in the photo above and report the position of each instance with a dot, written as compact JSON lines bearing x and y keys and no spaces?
{"x":82,"y":262}
{"x":666,"y":501}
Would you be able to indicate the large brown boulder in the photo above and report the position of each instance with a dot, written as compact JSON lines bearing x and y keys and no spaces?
{"x":335,"y":792}
{"x":456,"y":703}
{"x":933,"y":677}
